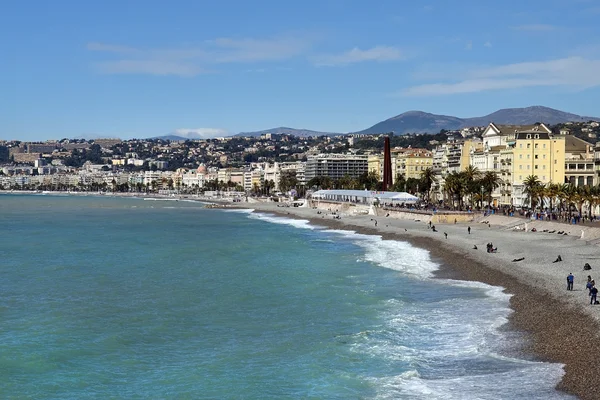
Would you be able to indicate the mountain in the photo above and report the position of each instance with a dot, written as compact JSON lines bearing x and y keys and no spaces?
{"x":287,"y":131}
{"x":171,"y":137}
{"x":422,"y":122}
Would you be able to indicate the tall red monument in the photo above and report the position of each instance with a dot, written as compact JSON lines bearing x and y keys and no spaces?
{"x":387,"y":165}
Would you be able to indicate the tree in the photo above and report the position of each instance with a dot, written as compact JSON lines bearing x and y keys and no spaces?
{"x":427,"y":180}
{"x":288,"y":181}
{"x":490,"y":182}
{"x":533,"y":189}
{"x":400,"y":184}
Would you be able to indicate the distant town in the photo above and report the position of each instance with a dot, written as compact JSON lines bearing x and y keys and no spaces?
{"x":499,"y":165}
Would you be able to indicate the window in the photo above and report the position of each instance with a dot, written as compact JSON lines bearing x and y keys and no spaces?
{"x":520,"y":177}
{"x":528,"y":156}
{"x":521,"y":145}
{"x":543,"y":167}
{"x":521,"y":156}
{"x":520,"y":167}
{"x":544,"y":177}
{"x":544,"y":156}
{"x":528,"y":145}
{"x":536,"y":167}
{"x":555,"y":161}
{"x":536,"y":146}
{"x":536,"y":156}
{"x":544,"y":146}
{"x":528,"y":166}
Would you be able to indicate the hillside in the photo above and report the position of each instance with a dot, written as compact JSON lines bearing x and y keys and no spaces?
{"x":422,"y":122}
{"x":287,"y":131}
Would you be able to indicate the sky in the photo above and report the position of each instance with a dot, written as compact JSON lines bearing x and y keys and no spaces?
{"x":145,"y":68}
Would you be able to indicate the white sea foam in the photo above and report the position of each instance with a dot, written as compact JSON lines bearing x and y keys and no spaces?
{"x":297,"y":223}
{"x":399,"y":256}
{"x":239,"y":210}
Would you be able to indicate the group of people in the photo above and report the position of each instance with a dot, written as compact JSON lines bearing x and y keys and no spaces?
{"x":590,"y":286}
{"x":491,"y":248}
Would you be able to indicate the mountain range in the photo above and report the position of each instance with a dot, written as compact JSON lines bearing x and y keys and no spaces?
{"x":423,"y":122}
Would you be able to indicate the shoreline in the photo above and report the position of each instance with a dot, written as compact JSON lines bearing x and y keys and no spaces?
{"x":558,"y":325}
{"x":556,"y":328}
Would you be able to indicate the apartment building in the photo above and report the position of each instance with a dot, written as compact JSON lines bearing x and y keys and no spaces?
{"x":335,"y":166}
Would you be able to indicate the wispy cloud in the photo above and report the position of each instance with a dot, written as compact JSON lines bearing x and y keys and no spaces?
{"x":191,"y":61}
{"x":200,"y":133}
{"x":356,"y":55}
{"x":487,"y":44}
{"x":575,"y":72}
{"x":534,"y":27}
{"x":469,"y":45}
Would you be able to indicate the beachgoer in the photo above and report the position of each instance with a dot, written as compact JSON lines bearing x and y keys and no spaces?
{"x":469,"y":230}
{"x":587,"y":267}
{"x":558,"y":259}
{"x":375,"y":222}
{"x":474,"y":247}
{"x":594,"y":294}
{"x":518,"y":259}
{"x":445,"y":234}
{"x":570,"y":279}
{"x":589,"y":285}
{"x":430,"y":224}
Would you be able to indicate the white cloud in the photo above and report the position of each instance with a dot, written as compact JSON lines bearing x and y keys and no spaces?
{"x":575,"y":72}
{"x":200,"y":133}
{"x":534,"y":27}
{"x":487,"y":44}
{"x":377,"y":53}
{"x":191,"y":61}
{"x":469,"y":45}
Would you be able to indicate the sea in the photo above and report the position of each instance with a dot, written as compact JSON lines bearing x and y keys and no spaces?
{"x":128,"y":298}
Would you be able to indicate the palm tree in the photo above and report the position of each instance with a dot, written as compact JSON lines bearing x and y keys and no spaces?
{"x":532,"y":189}
{"x":552,"y":191}
{"x":427,"y":180}
{"x":490,"y":182}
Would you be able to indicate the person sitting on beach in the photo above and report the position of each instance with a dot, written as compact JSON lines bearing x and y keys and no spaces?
{"x":570,"y":279}
{"x":475,"y":247}
{"x":587,"y":267}
{"x":518,"y":259}
{"x":558,"y":259}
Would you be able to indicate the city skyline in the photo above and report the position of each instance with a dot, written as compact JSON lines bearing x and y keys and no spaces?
{"x":143,"y":69}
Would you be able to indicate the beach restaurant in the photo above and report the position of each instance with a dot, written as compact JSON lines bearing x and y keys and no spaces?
{"x":364,"y":196}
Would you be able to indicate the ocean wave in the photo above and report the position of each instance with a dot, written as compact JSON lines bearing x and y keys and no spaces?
{"x":297,"y":223}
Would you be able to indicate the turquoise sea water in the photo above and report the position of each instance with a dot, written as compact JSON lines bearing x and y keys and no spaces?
{"x":106,"y":298}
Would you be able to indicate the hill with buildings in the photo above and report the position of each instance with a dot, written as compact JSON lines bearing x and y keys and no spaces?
{"x":422,"y":122}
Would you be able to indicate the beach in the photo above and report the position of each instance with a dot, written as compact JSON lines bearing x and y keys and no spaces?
{"x":561,"y":326}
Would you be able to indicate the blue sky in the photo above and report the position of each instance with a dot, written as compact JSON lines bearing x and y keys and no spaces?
{"x":143,"y":68}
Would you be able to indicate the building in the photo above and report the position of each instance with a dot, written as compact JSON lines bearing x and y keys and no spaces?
{"x":411,"y":163}
{"x":335,"y":166}
{"x":579,"y":162}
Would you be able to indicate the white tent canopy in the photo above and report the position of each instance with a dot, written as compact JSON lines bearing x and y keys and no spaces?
{"x":364,"y":196}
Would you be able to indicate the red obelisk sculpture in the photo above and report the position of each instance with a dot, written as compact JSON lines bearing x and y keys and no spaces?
{"x":387,"y":165}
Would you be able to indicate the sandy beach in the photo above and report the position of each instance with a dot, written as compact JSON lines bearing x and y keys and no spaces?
{"x":561,"y":326}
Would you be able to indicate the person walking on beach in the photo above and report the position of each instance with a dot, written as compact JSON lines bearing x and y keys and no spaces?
{"x":570,"y":279}
{"x":594,"y":293}
{"x":446,"y":235}
{"x":469,"y":230}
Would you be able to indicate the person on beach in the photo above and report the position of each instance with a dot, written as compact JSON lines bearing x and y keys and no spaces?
{"x":589,"y":285}
{"x":446,"y":235}
{"x":594,"y":293}
{"x":570,"y":279}
{"x":469,"y":230}
{"x":558,"y":259}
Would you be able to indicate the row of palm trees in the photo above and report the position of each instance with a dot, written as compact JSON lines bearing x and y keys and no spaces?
{"x":564,"y":197}
{"x":470,"y":184}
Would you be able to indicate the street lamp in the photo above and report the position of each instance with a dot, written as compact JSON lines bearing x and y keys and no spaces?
{"x":482,"y":198}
